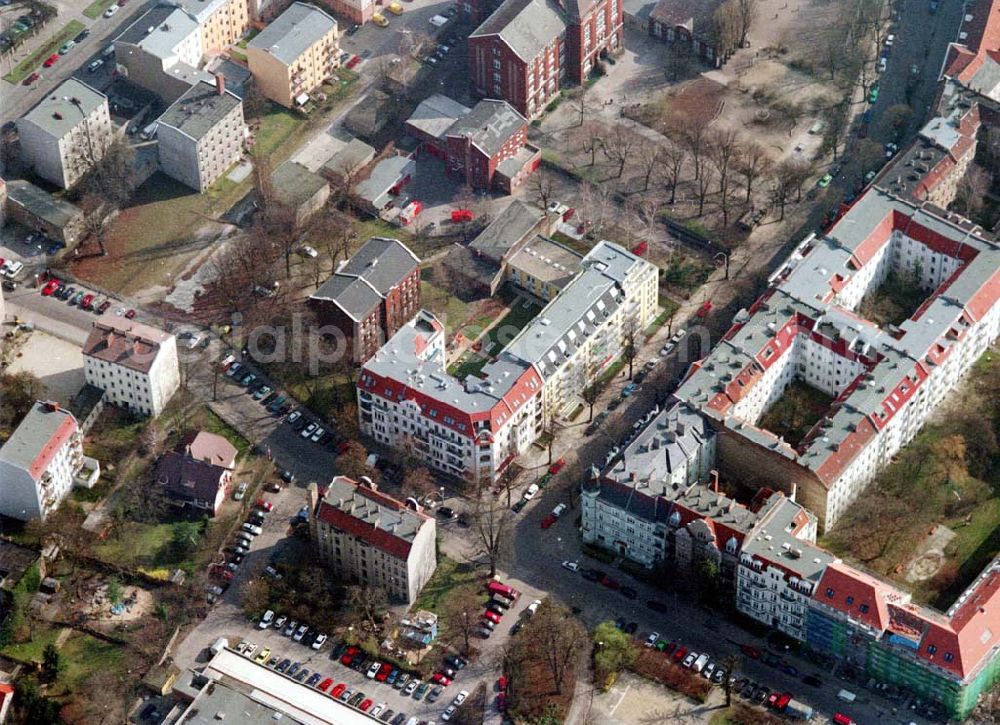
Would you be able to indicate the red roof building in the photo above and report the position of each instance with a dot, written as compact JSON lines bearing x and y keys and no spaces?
{"x":368,"y":537}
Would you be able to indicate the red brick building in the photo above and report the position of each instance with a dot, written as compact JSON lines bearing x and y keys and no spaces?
{"x":371,"y":296}
{"x":485,"y":146}
{"x":527,"y":50}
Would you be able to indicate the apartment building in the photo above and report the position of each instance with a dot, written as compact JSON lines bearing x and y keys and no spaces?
{"x":469,"y":429}
{"x":201,"y":135}
{"x":364,"y":536}
{"x":294,"y":54}
{"x":162,"y":52}
{"x":134,"y":364}
{"x":41,"y":461}
{"x":474,"y":428}
{"x":356,"y":11}
{"x":198,"y":473}
{"x":221,"y":23}
{"x":371,"y":295}
{"x":66,"y":133}
{"x":690,"y":23}
{"x":884,"y":382}
{"x":485,"y":146}
{"x":582,"y":330}
{"x":526,"y":51}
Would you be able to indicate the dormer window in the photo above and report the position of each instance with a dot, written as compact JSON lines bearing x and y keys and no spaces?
{"x":829,"y":592}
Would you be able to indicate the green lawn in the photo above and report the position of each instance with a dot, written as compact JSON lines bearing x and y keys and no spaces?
{"x":23,"y":69}
{"x":581,"y":246}
{"x":82,"y":655}
{"x":276,"y":127}
{"x":97,"y":8}
{"x":143,"y":544}
{"x":31,"y":651}
{"x":448,"y":575}
{"x":470,"y":363}
{"x":798,"y":409}
{"x":517,"y":318}
{"x":448,"y":308}
{"x":669,"y":309}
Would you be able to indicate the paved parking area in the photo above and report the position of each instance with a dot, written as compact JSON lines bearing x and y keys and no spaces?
{"x":633,"y":699}
{"x":57,"y":363}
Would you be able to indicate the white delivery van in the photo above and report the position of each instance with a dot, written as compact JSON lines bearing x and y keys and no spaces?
{"x":699,"y":664}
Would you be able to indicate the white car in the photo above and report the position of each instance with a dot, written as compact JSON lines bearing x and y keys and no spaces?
{"x":252,"y":530}
{"x":373,"y":670}
{"x":11,"y":268}
{"x":377,"y":709}
{"x":559,"y":510}
{"x":571,"y":565}
{"x":317,"y":434}
{"x":319,"y":641}
{"x":306,"y":251}
{"x":241,"y":491}
{"x":533,"y":607}
{"x":530,"y":493}
{"x":446,"y":715}
{"x":300,"y":633}
{"x":460,"y":698}
{"x":111,"y":11}
{"x":308,"y":430}
{"x":890,"y":39}
{"x":667,"y":349}
{"x":652,"y":639}
{"x":265,"y":621}
{"x":250,"y":649}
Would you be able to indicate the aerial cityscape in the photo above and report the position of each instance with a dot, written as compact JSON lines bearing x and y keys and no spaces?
{"x":499,"y":362}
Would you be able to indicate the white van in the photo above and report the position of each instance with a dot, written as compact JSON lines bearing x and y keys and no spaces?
{"x":265,"y":621}
{"x":699,"y":664}
{"x":149,"y":132}
{"x":847,"y":696}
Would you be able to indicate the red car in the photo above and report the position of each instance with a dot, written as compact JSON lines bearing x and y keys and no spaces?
{"x":751,"y":652}
{"x":130,"y":314}
{"x":365,"y":705}
{"x":441,"y":679}
{"x":86,"y":302}
{"x":502,"y":684}
{"x":30,"y":79}
{"x":680,"y":654}
{"x":778,"y":701}
{"x":51,"y":60}
{"x":349,"y":656}
{"x":324,"y":685}
{"x":841,"y":719}
{"x":548,"y":521}
{"x":557,"y":466}
{"x":266,"y":505}
{"x":461,"y":215}
{"x":104,"y":307}
{"x":492,"y":616}
{"x":609,"y":582}
{"x":383,"y":672}
{"x":338,"y":690}
{"x":51,"y":287}
{"x":354,"y":61}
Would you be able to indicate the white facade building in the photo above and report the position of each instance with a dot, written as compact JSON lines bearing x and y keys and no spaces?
{"x":474,"y":428}
{"x":368,"y":537}
{"x":134,"y":364}
{"x":41,"y":461}
{"x":66,"y":133}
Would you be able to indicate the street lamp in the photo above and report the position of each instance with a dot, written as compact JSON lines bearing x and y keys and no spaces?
{"x":722,"y":259}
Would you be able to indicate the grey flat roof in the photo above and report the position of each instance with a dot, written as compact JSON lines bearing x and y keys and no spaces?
{"x":170,"y":25}
{"x":293,"y":32}
{"x":40,"y":203}
{"x":548,"y":261}
{"x":664,"y":445}
{"x":436,"y":114}
{"x":527,"y":26}
{"x":773,"y":541}
{"x":294,"y":184}
{"x":488,"y":125}
{"x":199,"y":110}
{"x":353,"y":155}
{"x":58,"y":114}
{"x":509,"y":228}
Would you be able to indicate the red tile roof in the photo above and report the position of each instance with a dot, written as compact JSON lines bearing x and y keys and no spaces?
{"x":123,"y":342}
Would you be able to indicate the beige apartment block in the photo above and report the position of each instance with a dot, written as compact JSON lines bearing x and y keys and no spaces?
{"x":294,"y":54}
{"x":222,"y":22}
{"x":66,"y":133}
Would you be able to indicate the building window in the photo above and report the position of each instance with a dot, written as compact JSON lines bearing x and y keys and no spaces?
{"x":829,"y":592}
{"x":863,"y":608}
{"x":948,"y":656}
{"x":931,"y":649}
{"x":850,"y":600}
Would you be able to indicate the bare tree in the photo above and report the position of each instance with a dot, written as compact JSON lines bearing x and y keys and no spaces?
{"x":617,"y":147}
{"x":560,"y":638}
{"x":630,"y":343}
{"x":726,"y":25}
{"x":491,"y":523}
{"x":543,"y":189}
{"x":972,"y":189}
{"x":590,"y":395}
{"x":747,"y":11}
{"x":649,"y":158}
{"x":724,"y":150}
{"x":368,"y":603}
{"x":751,"y":164}
{"x":462,"y":610}
{"x":672,"y":160}
{"x":703,"y":181}
{"x":695,"y":137}
{"x":581,"y":104}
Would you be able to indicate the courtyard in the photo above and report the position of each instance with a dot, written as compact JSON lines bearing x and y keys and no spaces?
{"x":794,"y":414}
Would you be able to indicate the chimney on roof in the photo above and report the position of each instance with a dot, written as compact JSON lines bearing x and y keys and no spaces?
{"x":366,"y":482}
{"x":51,"y":406}
{"x":220,"y":83}
{"x":715,"y":480}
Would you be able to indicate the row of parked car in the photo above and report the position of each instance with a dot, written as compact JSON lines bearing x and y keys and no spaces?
{"x":258,"y":389}
{"x":89,"y":301}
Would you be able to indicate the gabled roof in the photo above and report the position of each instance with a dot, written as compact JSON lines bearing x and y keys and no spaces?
{"x":371,"y":516}
{"x":123,"y":342}
{"x":209,"y":448}
{"x":365,"y":279}
{"x":508,"y":230}
{"x":525,"y":26}
{"x":40,"y":435}
{"x":293,"y":32}
{"x":856,"y":594}
{"x":489,"y":125}
{"x":436,"y":114}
